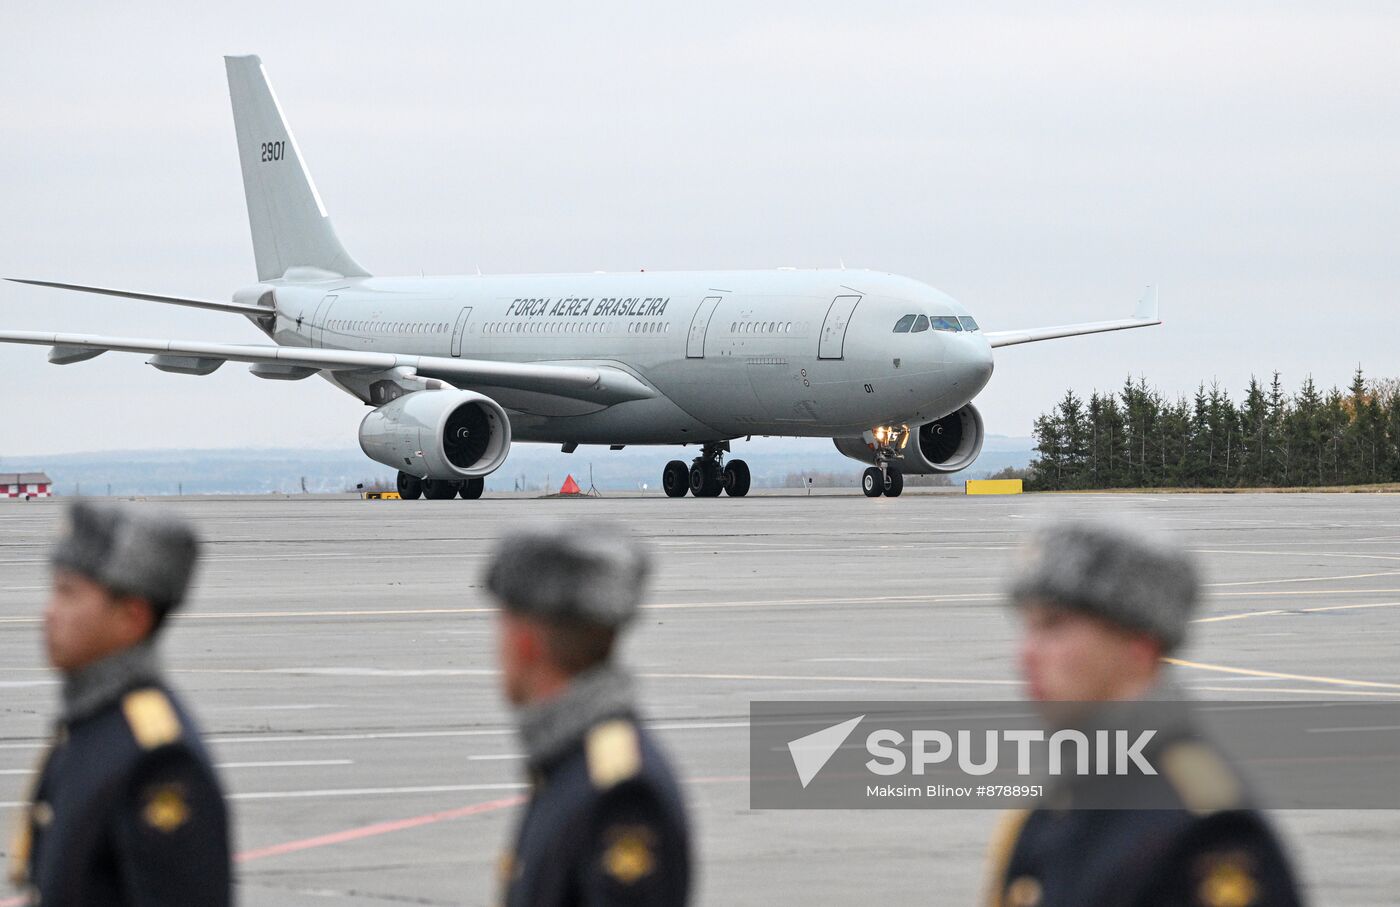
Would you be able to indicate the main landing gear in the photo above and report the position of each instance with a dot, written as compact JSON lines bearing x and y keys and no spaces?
{"x":411,"y":488}
{"x":708,"y":476}
{"x":885,"y":478}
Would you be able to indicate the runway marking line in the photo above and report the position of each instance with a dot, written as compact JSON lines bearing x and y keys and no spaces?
{"x":1251,"y":672}
{"x":1303,"y":579}
{"x":1274,"y":612}
{"x":1298,"y":691}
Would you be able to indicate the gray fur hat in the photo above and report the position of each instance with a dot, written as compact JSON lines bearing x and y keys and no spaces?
{"x":586,"y":572}
{"x":146,"y":556}
{"x":1113,"y":571}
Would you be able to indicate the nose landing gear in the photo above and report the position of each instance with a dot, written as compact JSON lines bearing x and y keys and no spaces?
{"x":885,"y":477}
{"x":708,"y":476}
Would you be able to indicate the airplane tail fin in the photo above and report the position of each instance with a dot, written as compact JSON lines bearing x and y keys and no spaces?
{"x":289,"y":223}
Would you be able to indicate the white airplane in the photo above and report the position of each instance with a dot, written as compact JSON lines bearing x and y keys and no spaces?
{"x":455,"y":368}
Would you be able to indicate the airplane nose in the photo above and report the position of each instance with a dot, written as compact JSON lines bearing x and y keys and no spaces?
{"x":970,"y":362}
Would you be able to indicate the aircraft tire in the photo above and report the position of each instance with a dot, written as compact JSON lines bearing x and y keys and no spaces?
{"x":705,"y":480}
{"x":736,"y":478}
{"x":439,"y":489}
{"x":894,"y":482}
{"x":471,"y":489}
{"x":675,"y":479}
{"x":872,"y":483}
{"x":410,"y":487}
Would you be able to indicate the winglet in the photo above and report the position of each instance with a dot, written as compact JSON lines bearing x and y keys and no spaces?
{"x":1147,"y":308}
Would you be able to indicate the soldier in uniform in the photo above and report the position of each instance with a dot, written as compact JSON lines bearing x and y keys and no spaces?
{"x":1100,"y":605}
{"x":605,"y":823}
{"x":126,"y":809}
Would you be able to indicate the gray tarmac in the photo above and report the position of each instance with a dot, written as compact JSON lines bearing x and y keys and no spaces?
{"x":339,"y":654}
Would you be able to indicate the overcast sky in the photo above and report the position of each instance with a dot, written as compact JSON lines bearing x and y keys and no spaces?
{"x":1041,"y":164}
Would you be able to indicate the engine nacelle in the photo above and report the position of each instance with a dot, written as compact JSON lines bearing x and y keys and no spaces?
{"x":944,"y":445}
{"x":438,"y":434}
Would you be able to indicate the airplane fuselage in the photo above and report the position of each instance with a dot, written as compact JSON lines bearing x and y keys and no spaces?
{"x":729,"y":353}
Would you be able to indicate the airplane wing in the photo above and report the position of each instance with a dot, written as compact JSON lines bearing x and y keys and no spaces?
{"x":214,"y":305}
{"x":599,"y":384}
{"x":1145,"y":315}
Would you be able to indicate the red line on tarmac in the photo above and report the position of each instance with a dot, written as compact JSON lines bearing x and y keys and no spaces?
{"x":378,"y":828}
{"x":393,"y":825}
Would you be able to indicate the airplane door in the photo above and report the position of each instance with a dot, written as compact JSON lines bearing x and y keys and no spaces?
{"x":695,"y":342}
{"x":833,"y":340}
{"x":318,"y":321}
{"x":459,"y":329}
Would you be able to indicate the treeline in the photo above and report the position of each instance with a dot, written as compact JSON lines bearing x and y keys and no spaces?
{"x":1139,"y":438}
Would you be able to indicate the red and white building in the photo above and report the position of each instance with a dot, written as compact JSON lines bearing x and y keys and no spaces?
{"x":25,"y":484}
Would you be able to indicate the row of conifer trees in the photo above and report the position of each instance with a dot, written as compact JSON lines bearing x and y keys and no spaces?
{"x":1138,"y":437}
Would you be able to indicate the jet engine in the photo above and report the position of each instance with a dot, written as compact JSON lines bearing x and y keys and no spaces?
{"x":944,"y":445}
{"x":438,"y":434}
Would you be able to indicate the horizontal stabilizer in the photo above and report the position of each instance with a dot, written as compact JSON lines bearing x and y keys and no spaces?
{"x":237,"y":307}
{"x":1145,"y":315}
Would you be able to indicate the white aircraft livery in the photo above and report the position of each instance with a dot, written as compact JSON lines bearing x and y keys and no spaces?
{"x":455,"y":368}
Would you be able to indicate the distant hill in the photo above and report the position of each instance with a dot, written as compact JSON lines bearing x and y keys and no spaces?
{"x":530,"y":467}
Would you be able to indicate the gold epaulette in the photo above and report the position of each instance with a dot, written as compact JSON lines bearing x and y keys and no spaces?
{"x":1004,"y":840}
{"x":151,"y":717}
{"x":1202,"y":778}
{"x":613,"y":752}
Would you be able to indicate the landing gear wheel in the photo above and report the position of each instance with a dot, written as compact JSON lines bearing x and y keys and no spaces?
{"x":410,"y":487}
{"x":439,"y":489}
{"x":705,"y":479}
{"x":736,"y":478}
{"x":872,"y":483}
{"x":675,"y":479}
{"x":894,"y":481}
{"x":471,"y":489}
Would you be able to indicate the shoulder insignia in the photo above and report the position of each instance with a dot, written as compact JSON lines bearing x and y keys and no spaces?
{"x":1201,"y":777}
{"x":166,"y":808}
{"x":614,"y":753}
{"x":628,"y":856}
{"x":39,"y":813}
{"x":151,"y":717}
{"x":19,"y":852}
{"x":1004,"y":838}
{"x":506,"y":868}
{"x":1228,"y":882}
{"x":1024,"y":891}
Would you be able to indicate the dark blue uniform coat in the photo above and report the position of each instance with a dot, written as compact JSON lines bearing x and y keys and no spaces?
{"x":127,"y":811}
{"x":605,"y":825}
{"x":1202,"y":846}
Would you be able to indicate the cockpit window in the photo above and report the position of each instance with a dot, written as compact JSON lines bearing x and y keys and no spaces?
{"x":967,"y":323}
{"x":902,"y":326}
{"x":920,"y":325}
{"x":945,"y":323}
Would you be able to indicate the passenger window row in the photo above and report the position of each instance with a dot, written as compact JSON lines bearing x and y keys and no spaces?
{"x":766,"y":327}
{"x":915,"y":324}
{"x":388,"y":327}
{"x":573,"y":327}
